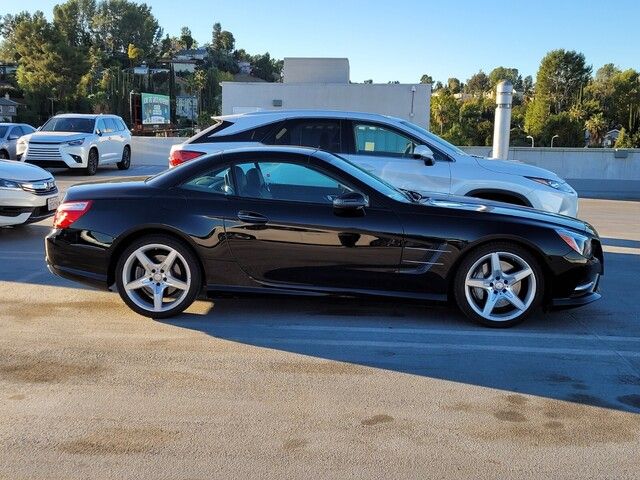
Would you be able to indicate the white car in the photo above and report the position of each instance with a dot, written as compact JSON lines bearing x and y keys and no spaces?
{"x":10,"y":133}
{"x":78,"y":141}
{"x":27,"y":193}
{"x":400,"y":152}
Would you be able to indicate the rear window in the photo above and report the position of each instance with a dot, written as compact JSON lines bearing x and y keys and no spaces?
{"x":216,"y":134}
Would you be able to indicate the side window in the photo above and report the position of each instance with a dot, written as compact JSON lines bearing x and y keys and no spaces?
{"x":377,"y":140}
{"x":110,"y":125}
{"x":26,"y":129}
{"x":121,"y":124}
{"x":287,"y":181}
{"x":316,"y":133}
{"x":217,"y":181}
{"x":15,"y":133}
{"x":100,"y":126}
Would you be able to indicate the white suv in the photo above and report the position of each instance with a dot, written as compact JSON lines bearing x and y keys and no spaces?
{"x":78,"y":142}
{"x":396,"y":150}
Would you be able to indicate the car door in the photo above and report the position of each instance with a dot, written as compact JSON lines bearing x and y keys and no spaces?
{"x":104,"y":141}
{"x":286,"y":232}
{"x":388,"y":153}
{"x":117,"y":138}
{"x":112,"y":143}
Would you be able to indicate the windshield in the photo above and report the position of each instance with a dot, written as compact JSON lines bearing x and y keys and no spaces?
{"x":3,"y":131}
{"x":433,"y":138}
{"x":372,"y":180}
{"x":69,"y":124}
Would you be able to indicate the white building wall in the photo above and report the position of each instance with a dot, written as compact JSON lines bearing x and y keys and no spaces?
{"x":315,"y":70}
{"x":387,"y":99}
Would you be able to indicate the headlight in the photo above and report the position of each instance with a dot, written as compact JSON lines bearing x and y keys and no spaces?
{"x":76,"y":143}
{"x":556,"y":184}
{"x":577,"y":242}
{"x":9,"y":185}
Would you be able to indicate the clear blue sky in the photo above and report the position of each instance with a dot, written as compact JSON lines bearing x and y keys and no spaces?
{"x":402,"y":39}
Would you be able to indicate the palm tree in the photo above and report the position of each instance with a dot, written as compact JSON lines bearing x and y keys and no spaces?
{"x":597,"y":128}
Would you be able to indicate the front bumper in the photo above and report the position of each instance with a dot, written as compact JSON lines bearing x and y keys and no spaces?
{"x":18,"y":207}
{"x":55,"y":155}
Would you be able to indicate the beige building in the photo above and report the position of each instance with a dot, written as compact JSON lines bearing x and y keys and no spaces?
{"x":323,"y":84}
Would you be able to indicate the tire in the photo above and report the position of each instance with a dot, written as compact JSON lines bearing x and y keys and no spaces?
{"x":4,"y":155}
{"x":92,"y":163}
{"x":125,"y":163}
{"x":515,"y":289}
{"x":180,"y":284}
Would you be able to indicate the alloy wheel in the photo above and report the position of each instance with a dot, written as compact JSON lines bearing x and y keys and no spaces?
{"x":500,"y":286}
{"x":156,"y":277}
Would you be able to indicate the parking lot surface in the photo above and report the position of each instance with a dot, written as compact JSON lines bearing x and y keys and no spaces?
{"x":315,"y":388}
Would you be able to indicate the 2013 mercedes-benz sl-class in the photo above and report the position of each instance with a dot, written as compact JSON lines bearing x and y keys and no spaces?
{"x":293,"y":220}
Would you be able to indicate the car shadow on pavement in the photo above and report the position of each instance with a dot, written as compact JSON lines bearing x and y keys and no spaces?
{"x":588,"y":356}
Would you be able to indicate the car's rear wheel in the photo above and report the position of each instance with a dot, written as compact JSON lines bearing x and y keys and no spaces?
{"x":92,"y":163}
{"x":125,"y":163}
{"x":158,"y":276}
{"x":499,"y":284}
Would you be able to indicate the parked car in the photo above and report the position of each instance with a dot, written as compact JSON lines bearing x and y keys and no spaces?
{"x":27,"y":193}
{"x":78,"y":142}
{"x":396,"y":150}
{"x":301,"y":221}
{"x":9,"y":135}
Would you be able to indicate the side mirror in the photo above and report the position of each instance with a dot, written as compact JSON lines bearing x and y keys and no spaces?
{"x":425,"y":153}
{"x":350,"y":201}
{"x":98,"y":132}
{"x":13,"y":137}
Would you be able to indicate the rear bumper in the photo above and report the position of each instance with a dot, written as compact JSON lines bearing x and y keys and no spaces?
{"x":78,"y":262}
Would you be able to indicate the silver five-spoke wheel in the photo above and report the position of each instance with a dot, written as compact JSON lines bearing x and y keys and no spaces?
{"x":158,"y":278}
{"x":499,"y":286}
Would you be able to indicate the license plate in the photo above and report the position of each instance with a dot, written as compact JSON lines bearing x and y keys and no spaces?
{"x":52,"y":203}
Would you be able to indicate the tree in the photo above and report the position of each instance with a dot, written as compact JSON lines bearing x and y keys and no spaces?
{"x":454,"y":85}
{"x":117,"y":23}
{"x":185,"y":38}
{"x":444,"y":110}
{"x":478,"y":83}
{"x":623,"y":140}
{"x":222,"y":41}
{"x":48,"y":65}
{"x":266,"y":68}
{"x":134,"y":53}
{"x":426,"y":79}
{"x":73,"y":19}
{"x":597,"y":128}
{"x":499,"y":74}
{"x":561,"y":77}
{"x":618,"y":94}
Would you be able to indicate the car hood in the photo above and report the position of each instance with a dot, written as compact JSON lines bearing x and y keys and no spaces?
{"x":506,"y":209}
{"x":21,"y":172}
{"x":55,"y":137}
{"x":513,"y":167}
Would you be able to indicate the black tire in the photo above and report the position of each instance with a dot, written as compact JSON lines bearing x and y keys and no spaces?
{"x":194,"y":285}
{"x":125,"y":163}
{"x":92,"y":163}
{"x":4,"y":155}
{"x":535,"y":297}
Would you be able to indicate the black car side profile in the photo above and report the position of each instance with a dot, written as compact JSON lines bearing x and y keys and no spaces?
{"x":289,"y":220}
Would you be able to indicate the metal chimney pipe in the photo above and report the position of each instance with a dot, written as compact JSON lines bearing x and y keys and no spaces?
{"x":502,"y":124}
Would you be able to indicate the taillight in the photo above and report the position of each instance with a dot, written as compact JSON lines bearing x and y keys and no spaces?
{"x":180,"y":156}
{"x":68,"y":212}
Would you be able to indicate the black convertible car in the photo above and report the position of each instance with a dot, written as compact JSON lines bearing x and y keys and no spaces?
{"x":302,"y":221}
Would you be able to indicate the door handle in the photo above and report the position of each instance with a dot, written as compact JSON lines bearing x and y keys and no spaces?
{"x":251,"y":217}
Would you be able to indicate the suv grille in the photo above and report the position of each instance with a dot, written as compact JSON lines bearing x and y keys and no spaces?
{"x":43,"y":151}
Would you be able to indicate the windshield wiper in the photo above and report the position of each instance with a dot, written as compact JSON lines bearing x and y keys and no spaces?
{"x":412,"y":194}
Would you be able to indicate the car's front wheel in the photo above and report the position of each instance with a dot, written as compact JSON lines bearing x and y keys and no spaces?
{"x":499,"y":284}
{"x":125,"y":163}
{"x":158,"y":276}
{"x":92,"y":163}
